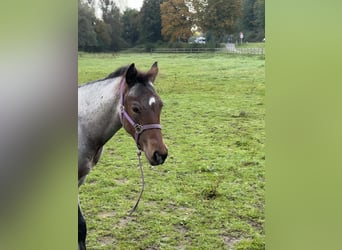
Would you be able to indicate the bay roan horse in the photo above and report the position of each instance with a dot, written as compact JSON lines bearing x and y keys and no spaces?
{"x":126,"y":98}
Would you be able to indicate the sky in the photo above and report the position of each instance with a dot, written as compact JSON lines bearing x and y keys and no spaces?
{"x":135,"y":4}
{"x":122,"y":4}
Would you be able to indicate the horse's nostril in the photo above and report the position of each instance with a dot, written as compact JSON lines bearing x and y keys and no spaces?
{"x":159,"y":158}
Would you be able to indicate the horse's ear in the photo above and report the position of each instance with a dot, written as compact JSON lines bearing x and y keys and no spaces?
{"x":131,"y":75}
{"x":153,"y":72}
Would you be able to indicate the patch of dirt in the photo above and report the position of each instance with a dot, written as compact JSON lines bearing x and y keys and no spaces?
{"x":185,"y":210}
{"x":125,"y":220}
{"x":90,"y":182}
{"x":107,"y":240}
{"x":181,"y":229}
{"x":110,"y":151}
{"x":153,"y":248}
{"x":230,"y":241}
{"x":257,"y":225}
{"x":107,"y":214}
{"x":121,"y":181}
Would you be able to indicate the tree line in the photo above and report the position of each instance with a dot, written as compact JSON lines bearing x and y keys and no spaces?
{"x":168,"y":21}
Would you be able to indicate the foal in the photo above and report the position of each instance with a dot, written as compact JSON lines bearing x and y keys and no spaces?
{"x":126,"y":98}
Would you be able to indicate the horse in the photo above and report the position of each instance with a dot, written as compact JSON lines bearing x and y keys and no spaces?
{"x":125,"y":98}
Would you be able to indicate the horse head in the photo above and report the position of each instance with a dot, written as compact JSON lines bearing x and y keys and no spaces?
{"x":140,"y":112}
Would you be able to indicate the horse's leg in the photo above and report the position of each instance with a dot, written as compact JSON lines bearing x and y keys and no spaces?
{"x":86,"y":164}
{"x":82,"y":173}
{"x":82,"y":230}
{"x":98,"y":155}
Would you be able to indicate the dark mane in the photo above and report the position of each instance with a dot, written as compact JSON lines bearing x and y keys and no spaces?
{"x":117,"y":73}
{"x":141,"y":77}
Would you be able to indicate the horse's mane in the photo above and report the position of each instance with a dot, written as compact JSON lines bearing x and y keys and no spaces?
{"x":117,"y":73}
{"x":141,"y":77}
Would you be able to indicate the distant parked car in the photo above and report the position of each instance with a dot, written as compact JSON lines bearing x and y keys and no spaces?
{"x":200,"y":40}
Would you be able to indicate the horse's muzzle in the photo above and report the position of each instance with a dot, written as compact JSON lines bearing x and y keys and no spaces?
{"x":158,"y":158}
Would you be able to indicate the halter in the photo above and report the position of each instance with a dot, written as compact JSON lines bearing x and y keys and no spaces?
{"x":139,"y":128}
{"x":138,"y":131}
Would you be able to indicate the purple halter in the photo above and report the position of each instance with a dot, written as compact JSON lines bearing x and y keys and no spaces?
{"x":139,"y":128}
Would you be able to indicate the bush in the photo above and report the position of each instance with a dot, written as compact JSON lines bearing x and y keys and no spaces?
{"x":149,"y":47}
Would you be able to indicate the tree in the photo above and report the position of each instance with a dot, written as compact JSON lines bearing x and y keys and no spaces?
{"x":199,"y":8}
{"x":248,"y":15}
{"x":217,"y":16}
{"x":86,"y":27}
{"x":111,"y":16}
{"x":103,"y":32}
{"x":150,"y":21}
{"x":253,"y":19}
{"x":247,"y":20}
{"x":259,"y":10}
{"x":130,"y":24}
{"x":176,"y":20}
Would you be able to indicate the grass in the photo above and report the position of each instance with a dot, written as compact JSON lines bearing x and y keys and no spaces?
{"x":210,"y":192}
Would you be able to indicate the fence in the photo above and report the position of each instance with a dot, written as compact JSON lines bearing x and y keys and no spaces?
{"x":244,"y":51}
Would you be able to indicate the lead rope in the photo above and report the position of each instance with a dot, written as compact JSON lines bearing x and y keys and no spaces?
{"x":142,"y":183}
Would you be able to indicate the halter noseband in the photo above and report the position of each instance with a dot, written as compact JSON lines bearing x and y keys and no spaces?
{"x":139,"y":128}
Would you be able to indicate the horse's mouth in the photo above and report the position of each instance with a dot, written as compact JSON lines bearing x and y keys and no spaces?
{"x":158,"y":158}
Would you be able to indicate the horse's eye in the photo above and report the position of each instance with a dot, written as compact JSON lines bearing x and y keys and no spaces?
{"x":136,"y":110}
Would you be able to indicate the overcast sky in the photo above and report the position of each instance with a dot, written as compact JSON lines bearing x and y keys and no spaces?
{"x":122,"y":4}
{"x":135,"y":4}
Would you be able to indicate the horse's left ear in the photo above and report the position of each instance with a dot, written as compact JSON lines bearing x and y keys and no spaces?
{"x":153,"y":72}
{"x":131,"y":75}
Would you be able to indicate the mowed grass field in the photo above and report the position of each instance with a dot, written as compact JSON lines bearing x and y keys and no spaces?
{"x":209,"y":194}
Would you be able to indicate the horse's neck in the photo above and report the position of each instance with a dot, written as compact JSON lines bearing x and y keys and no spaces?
{"x":98,"y":110}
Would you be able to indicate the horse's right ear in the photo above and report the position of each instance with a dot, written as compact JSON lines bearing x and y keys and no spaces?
{"x":153,"y":72}
{"x":131,"y":75}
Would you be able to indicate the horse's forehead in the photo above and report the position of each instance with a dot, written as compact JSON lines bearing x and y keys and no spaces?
{"x":145,"y":93}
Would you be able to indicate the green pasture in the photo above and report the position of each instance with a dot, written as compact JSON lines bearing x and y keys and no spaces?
{"x":209,"y":194}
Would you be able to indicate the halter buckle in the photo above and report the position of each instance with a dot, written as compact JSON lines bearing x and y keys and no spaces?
{"x":122,"y":108}
{"x":138,"y":128}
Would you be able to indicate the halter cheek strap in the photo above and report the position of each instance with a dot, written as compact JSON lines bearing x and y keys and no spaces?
{"x":139,"y":128}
